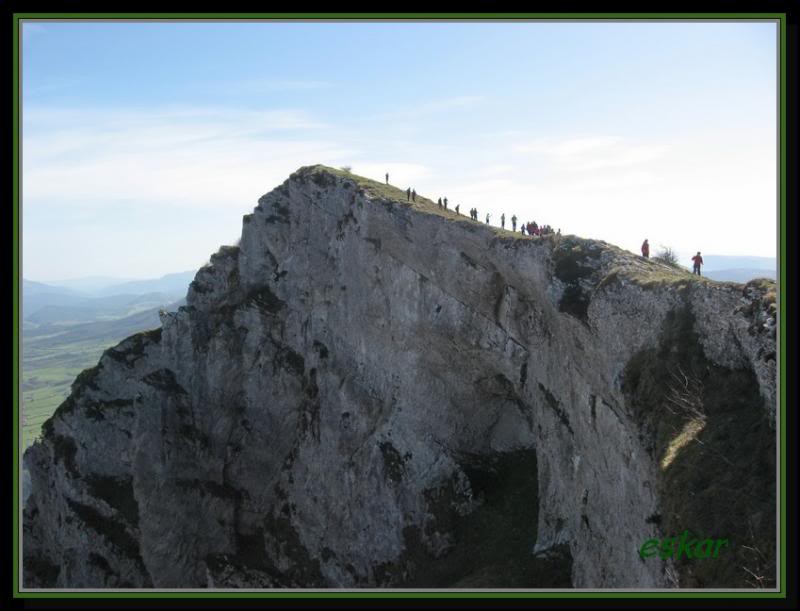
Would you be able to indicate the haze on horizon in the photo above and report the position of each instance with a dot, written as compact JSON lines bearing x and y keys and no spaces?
{"x":145,"y":143}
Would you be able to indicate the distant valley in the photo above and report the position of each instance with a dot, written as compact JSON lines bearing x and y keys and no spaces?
{"x":66,"y":327}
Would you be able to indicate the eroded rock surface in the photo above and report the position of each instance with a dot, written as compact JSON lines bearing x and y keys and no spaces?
{"x":362,"y":390}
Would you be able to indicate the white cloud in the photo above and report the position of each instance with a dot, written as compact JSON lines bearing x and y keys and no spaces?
{"x":591,"y":153}
{"x":92,"y":173}
{"x":195,"y":157}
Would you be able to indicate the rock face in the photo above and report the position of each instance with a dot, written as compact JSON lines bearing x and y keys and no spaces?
{"x":347,"y":389}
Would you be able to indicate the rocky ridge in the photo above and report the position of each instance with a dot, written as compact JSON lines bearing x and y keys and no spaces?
{"x":367,"y":392}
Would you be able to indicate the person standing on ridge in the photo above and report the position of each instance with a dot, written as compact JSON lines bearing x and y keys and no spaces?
{"x":514,"y":223}
{"x":408,"y":194}
{"x":487,"y":218}
{"x":646,"y":249}
{"x":444,"y":201}
{"x":439,"y":203}
{"x":457,"y":207}
{"x":413,"y":195}
{"x":387,"y":178}
{"x":503,"y":221}
{"x":698,"y":261}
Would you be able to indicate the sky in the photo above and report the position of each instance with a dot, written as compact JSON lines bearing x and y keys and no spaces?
{"x":144,"y":144}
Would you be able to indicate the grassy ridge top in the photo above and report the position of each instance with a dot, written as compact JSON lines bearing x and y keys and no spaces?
{"x":644,"y":272}
{"x":398,"y":196}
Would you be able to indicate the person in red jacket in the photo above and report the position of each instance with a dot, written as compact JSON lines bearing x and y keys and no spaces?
{"x":698,"y":261}
{"x":646,"y":249}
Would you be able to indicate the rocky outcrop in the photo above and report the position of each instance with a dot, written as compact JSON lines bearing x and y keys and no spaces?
{"x":367,"y":392}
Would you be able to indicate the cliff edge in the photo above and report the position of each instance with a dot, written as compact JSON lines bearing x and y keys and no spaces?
{"x":370,"y":392}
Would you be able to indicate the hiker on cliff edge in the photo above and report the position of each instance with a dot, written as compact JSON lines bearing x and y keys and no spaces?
{"x":387,"y":178}
{"x":698,"y":261}
{"x":514,"y":223}
{"x":646,"y":249}
{"x":487,"y":218}
{"x":439,"y":203}
{"x":408,"y":194}
{"x":503,"y":220}
{"x":445,"y":203}
{"x":456,"y":208}
{"x":413,"y":195}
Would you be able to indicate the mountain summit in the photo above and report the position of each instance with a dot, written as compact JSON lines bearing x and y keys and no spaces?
{"x":371,"y":392}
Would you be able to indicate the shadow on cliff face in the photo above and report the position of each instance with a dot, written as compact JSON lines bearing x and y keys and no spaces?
{"x":708,"y":431}
{"x":491,"y":546}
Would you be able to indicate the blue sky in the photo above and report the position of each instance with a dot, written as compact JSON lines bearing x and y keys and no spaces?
{"x":145,"y":143}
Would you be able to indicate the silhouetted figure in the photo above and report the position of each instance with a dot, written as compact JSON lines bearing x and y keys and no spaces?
{"x":646,"y":249}
{"x":514,"y":223}
{"x":698,"y":261}
{"x":522,"y":229}
{"x":503,"y":220}
{"x":558,"y":233}
{"x":445,"y":203}
{"x":487,"y":218}
{"x":439,"y":202}
{"x":457,"y":207}
{"x":413,"y":195}
{"x":408,"y":194}
{"x":387,"y":178}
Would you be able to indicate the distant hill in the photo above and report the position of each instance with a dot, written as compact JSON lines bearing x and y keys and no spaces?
{"x":729,"y":268}
{"x":67,"y":308}
{"x":98,"y":286}
{"x":726,"y":262}
{"x":171,"y":283}
{"x":44,"y":303}
{"x":37,"y":295}
{"x":89,"y":284}
{"x":31,"y":288}
{"x":104,"y":330}
{"x":740,"y":275}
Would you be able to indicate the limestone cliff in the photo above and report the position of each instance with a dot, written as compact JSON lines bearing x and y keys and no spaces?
{"x":367,"y":392}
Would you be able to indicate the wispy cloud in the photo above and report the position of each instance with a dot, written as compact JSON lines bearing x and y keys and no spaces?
{"x":196,"y":157}
{"x":432,"y":107}
{"x":593,"y":153}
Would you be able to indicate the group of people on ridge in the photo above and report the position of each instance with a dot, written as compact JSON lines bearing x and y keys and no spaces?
{"x":531,"y":228}
{"x":697,"y":260}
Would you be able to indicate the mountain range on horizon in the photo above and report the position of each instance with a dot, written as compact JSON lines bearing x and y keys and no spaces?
{"x":730,"y":268}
